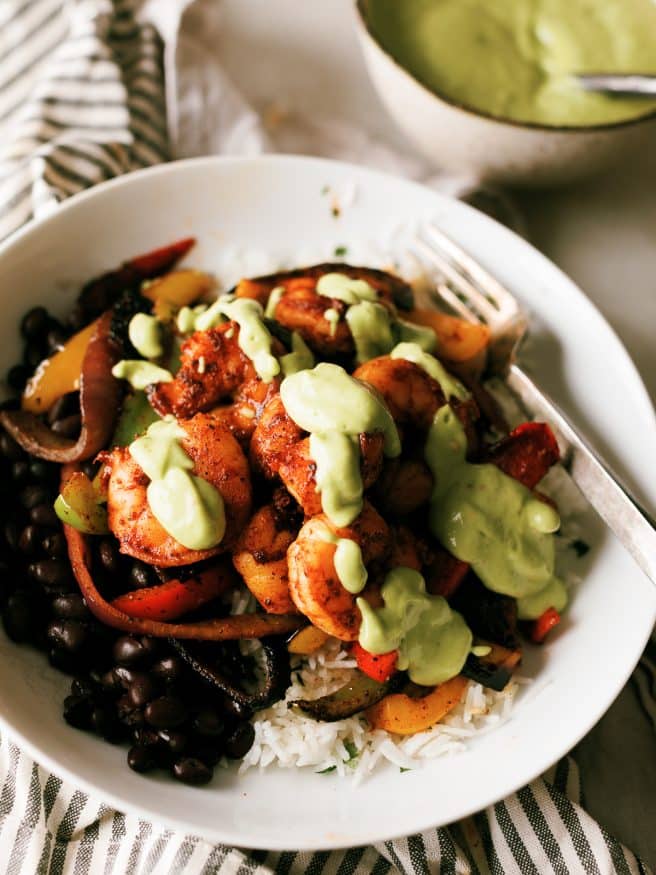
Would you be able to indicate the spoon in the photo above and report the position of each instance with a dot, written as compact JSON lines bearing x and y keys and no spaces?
{"x":619,"y":83}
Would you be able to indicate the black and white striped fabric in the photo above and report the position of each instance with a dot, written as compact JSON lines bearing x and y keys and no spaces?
{"x":48,"y":827}
{"x":83,"y":99}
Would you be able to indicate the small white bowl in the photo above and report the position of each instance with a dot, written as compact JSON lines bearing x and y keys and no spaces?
{"x":465,"y":141}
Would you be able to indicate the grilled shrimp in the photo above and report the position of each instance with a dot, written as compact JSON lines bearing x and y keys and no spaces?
{"x":217,"y":458}
{"x":260,"y":555}
{"x":302,"y":309}
{"x":412,"y":396}
{"x":213,"y":369}
{"x":313,"y":582}
{"x":279,"y":447}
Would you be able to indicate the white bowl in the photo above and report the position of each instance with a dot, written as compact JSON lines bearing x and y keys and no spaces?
{"x":281,"y":207}
{"x":463,"y":140}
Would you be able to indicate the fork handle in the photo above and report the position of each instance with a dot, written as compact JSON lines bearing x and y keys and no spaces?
{"x":632,"y":524}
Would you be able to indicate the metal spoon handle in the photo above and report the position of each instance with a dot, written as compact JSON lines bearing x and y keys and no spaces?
{"x":619,"y":83}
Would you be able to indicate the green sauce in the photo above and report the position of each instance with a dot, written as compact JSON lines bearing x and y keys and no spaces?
{"x":345,"y":288}
{"x":424,"y":338}
{"x":190,"y":509}
{"x":254,"y":337}
{"x":348,"y":563}
{"x":186,"y":318}
{"x":371,"y":330}
{"x":140,"y":374}
{"x":433,"y":641}
{"x":412,"y":352}
{"x":332,"y":317}
{"x":514,"y":58}
{"x":299,"y":359}
{"x":145,"y":333}
{"x":491,"y":521}
{"x":335,"y":408}
{"x":272,"y":301}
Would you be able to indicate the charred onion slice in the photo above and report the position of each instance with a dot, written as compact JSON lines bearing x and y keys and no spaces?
{"x":220,"y":629}
{"x":100,"y":394}
{"x":276,"y":670}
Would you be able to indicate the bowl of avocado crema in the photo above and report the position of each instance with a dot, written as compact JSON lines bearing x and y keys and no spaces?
{"x":489,"y":87}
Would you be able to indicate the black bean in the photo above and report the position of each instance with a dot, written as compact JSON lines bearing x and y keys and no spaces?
{"x":174,"y":740}
{"x":145,"y":736}
{"x":140,"y":575}
{"x":208,"y":723}
{"x":17,"y":377}
{"x":68,"y":635}
{"x":20,"y":472}
{"x":29,"y":541}
{"x":190,"y":770}
{"x":35,"y":352}
{"x":55,"y":339}
{"x":69,"y":426}
{"x":44,"y":515}
{"x":17,"y":617}
{"x":233,"y":708}
{"x":240,"y":741}
{"x":64,"y":661}
{"x":167,"y":712}
{"x":10,"y":449}
{"x":128,"y":714}
{"x":65,"y":405}
{"x":40,"y":470}
{"x":35,"y":323}
{"x":77,"y":318}
{"x":51,"y":573}
{"x":110,"y":682}
{"x":54,"y":545}
{"x":77,"y":711}
{"x":141,"y":759}
{"x":90,"y":469}
{"x":208,"y":751}
{"x":169,"y":669}
{"x":104,"y":722}
{"x":141,"y":691}
{"x":128,"y":651}
{"x":83,"y":687}
{"x":108,"y":554}
{"x":151,"y":647}
{"x":11,"y":533}
{"x":70,"y":606}
{"x":125,"y":676}
{"x":33,"y":495}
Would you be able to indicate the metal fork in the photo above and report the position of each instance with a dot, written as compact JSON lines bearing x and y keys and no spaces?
{"x":475,"y":295}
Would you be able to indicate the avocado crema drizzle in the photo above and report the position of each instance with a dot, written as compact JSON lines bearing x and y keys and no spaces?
{"x":481,"y":515}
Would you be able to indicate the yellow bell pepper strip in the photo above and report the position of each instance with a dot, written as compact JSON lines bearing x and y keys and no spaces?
{"x":80,"y":504}
{"x":405,"y":715}
{"x":59,"y":374}
{"x":307,"y":640}
{"x":100,"y":394}
{"x":177,"y":289}
{"x":458,"y":342}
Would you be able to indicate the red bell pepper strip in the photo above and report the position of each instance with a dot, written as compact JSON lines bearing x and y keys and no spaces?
{"x":154,"y":263}
{"x":445,"y":573}
{"x":527,"y":453}
{"x":379,"y":667}
{"x":172,"y":599}
{"x":543,"y":625}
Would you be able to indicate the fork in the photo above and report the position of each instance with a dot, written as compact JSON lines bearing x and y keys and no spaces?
{"x":475,"y":295}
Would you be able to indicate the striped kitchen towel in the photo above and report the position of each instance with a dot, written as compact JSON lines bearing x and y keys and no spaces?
{"x":90,"y":89}
{"x":49,"y":828}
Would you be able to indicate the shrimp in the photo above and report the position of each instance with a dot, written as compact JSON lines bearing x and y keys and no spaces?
{"x":279,"y":448}
{"x":213,"y":368}
{"x":260,"y":555}
{"x":301,"y":308}
{"x":217,"y":458}
{"x":413,"y":396}
{"x":313,"y":582}
{"x":404,"y":486}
